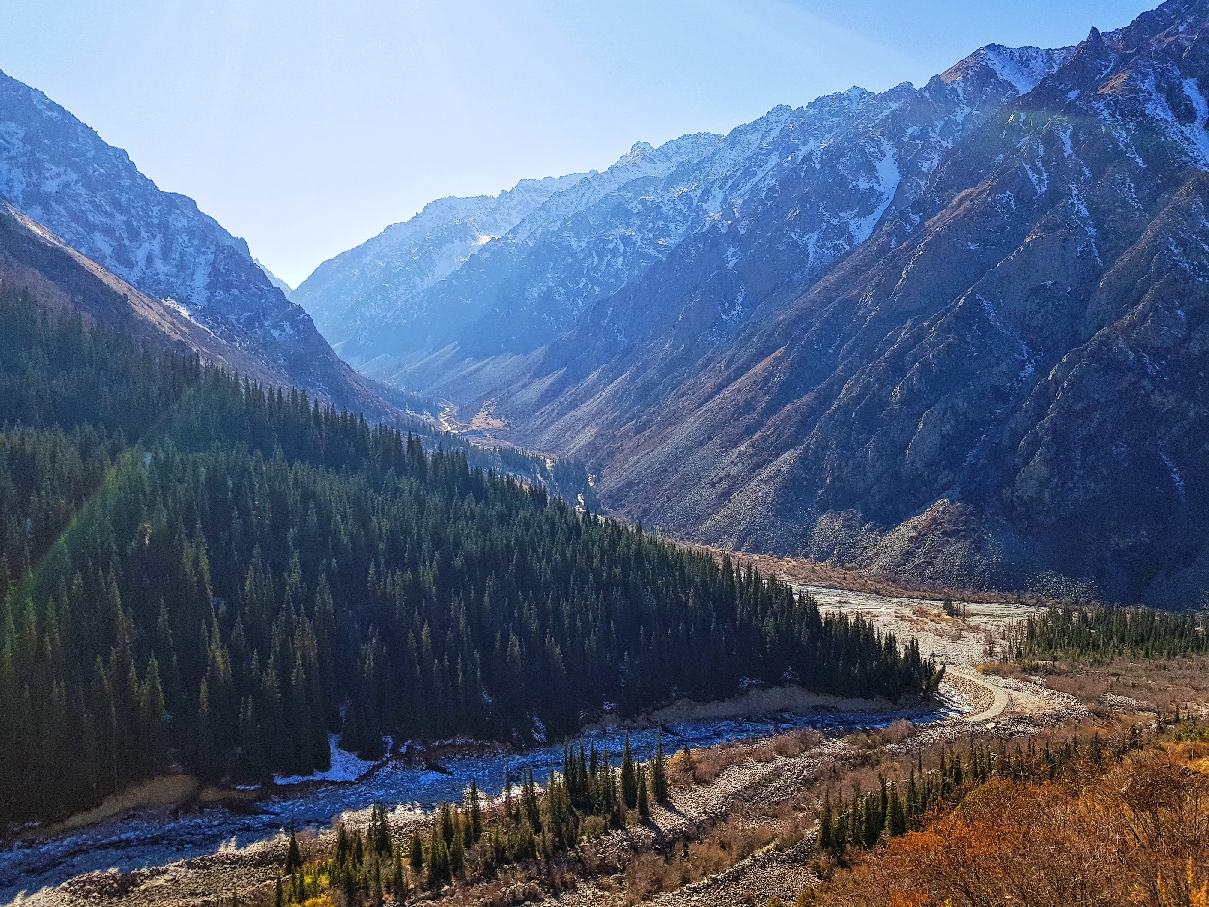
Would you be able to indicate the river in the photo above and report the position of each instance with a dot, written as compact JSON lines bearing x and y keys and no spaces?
{"x":151,"y":838}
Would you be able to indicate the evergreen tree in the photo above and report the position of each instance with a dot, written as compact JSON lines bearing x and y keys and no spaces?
{"x":398,"y":881}
{"x":438,"y":859}
{"x":644,"y":807}
{"x":659,"y":789}
{"x":475,"y":811}
{"x":293,"y":856}
{"x":826,"y":824}
{"x":258,"y":560}
{"x":629,"y":778}
{"x":415,"y":855}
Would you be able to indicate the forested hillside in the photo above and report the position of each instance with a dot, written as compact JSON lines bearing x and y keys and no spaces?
{"x":196,"y":569}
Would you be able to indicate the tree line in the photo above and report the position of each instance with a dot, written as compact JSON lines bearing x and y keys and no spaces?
{"x":1103,"y":633}
{"x":472,"y":840}
{"x":859,"y":822}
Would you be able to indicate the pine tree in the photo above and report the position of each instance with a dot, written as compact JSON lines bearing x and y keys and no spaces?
{"x":457,"y":855}
{"x":826,"y":824}
{"x":644,"y":806}
{"x":447,"y":829}
{"x":415,"y":855}
{"x":659,"y":772}
{"x":438,"y":859}
{"x":629,"y":779}
{"x":476,"y":814}
{"x":896,"y":816}
{"x":293,"y":856}
{"x":398,"y":882}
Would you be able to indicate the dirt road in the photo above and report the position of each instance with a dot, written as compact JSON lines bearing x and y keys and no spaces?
{"x":961,"y":643}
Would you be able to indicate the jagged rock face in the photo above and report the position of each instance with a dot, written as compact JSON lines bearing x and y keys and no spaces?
{"x":1027,"y":336}
{"x":60,"y":173}
{"x":958,"y":332}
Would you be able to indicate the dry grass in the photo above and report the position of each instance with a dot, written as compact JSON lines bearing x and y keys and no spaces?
{"x":1159,"y":685}
{"x":164,"y":790}
{"x":651,"y":873}
{"x":704,"y":766}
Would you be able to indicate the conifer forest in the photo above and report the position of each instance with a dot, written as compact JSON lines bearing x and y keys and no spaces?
{"x":198,"y":571}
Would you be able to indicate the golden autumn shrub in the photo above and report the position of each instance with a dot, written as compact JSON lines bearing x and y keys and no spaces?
{"x":1136,"y":834}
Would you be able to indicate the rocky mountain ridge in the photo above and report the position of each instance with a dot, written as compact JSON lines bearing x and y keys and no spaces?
{"x":739,"y":192}
{"x":956,"y":332}
{"x":62,"y":175}
{"x":355,"y":294}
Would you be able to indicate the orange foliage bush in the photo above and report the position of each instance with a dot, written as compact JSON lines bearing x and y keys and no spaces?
{"x":1138,"y":834}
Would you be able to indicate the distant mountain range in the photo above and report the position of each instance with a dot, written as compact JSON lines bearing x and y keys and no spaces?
{"x":955,"y":332}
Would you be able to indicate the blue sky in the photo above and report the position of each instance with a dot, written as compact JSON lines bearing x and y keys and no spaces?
{"x":306,"y":126}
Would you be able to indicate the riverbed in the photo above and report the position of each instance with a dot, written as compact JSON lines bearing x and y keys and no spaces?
{"x":154,"y":838}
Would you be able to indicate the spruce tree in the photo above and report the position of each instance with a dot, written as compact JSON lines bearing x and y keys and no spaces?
{"x":398,"y":882}
{"x":476,"y":813}
{"x":896,"y":816}
{"x":457,"y":855}
{"x":659,"y":772}
{"x":644,"y":806}
{"x":826,"y":820}
{"x":293,"y":856}
{"x":629,"y":779}
{"x":415,"y":856}
{"x":438,"y":859}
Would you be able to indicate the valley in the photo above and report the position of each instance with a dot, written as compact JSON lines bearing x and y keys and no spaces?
{"x":878,"y":330}
{"x":155,"y":858}
{"x":814,"y":511}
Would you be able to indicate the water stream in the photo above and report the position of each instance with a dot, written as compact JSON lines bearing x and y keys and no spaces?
{"x":153,"y":838}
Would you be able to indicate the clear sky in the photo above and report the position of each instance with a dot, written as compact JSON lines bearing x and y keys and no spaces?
{"x":306,"y":126}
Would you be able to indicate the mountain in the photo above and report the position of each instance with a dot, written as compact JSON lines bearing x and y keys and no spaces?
{"x":273,"y":278}
{"x":354,"y":294}
{"x":733,"y":201}
{"x":59,"y":173}
{"x":955,"y":333}
{"x":34,"y":260}
{"x":198,"y":570}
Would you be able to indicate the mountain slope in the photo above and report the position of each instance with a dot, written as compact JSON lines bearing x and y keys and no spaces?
{"x":954,"y":332}
{"x":59,"y":172}
{"x":273,"y":278}
{"x":1007,"y":378}
{"x":33,"y":259}
{"x":352,"y":296}
{"x":256,"y":573}
{"x":856,"y":156}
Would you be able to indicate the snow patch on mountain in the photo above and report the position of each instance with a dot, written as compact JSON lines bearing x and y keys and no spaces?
{"x":1022,"y":67}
